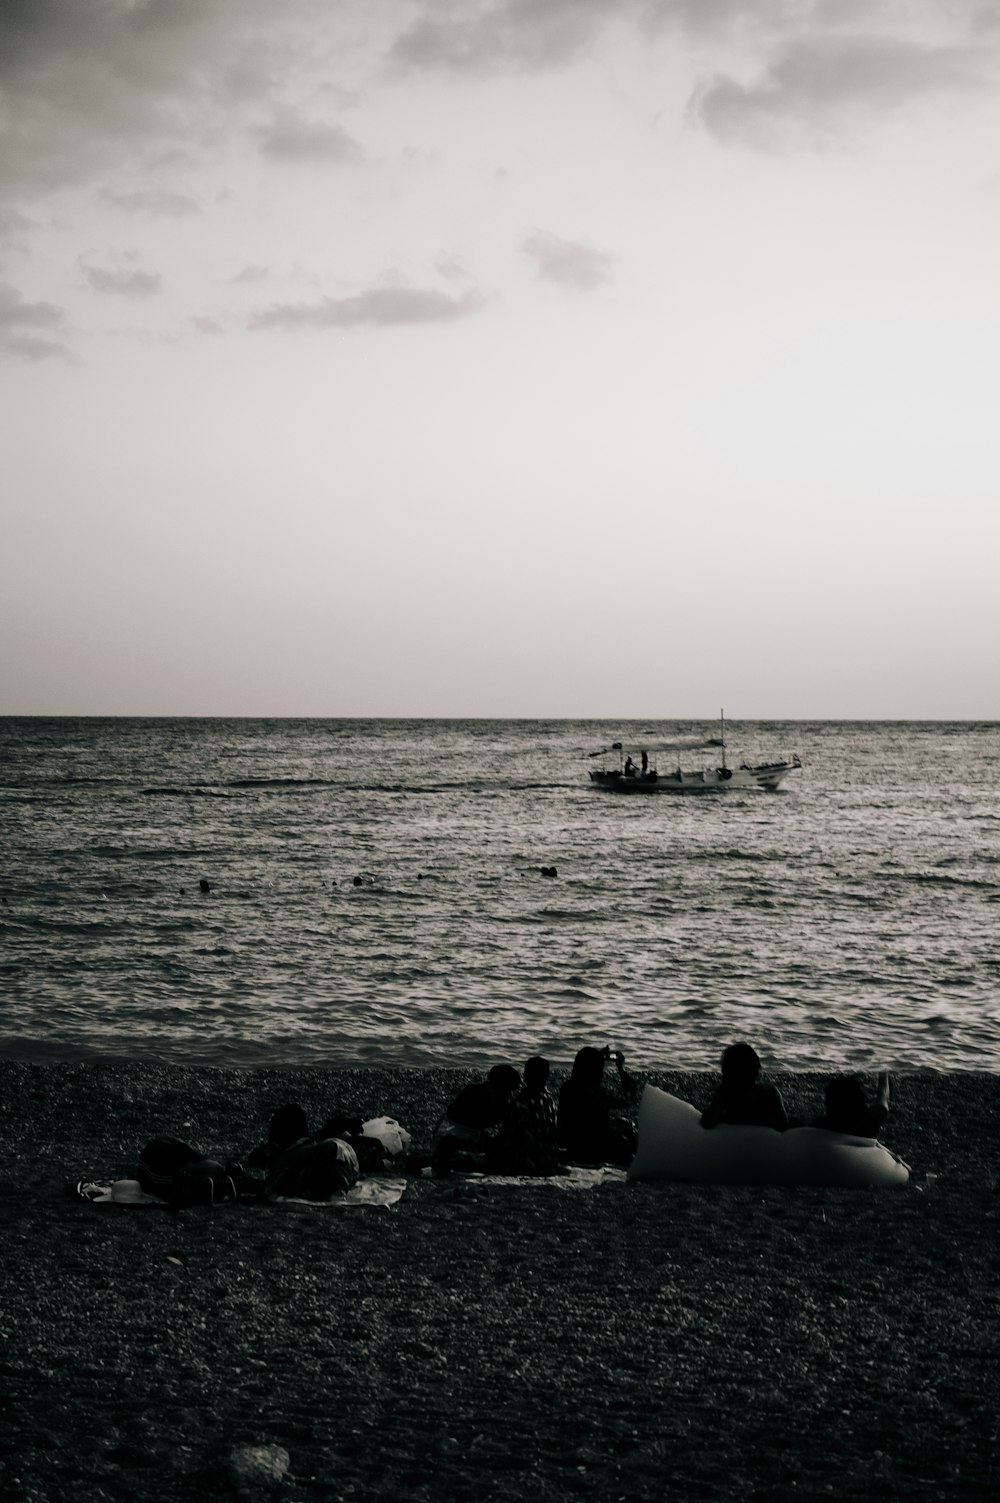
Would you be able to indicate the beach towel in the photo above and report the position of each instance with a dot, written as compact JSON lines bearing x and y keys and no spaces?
{"x":380,"y":1190}
{"x":384,"y":1190}
{"x":575,"y":1177}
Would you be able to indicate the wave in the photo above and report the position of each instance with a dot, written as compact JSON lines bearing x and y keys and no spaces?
{"x":149,"y":853}
{"x":280,"y":783}
{"x":60,"y":926}
{"x":346,"y":785}
{"x":109,"y":926}
{"x":189,"y":792}
{"x":736,"y":854}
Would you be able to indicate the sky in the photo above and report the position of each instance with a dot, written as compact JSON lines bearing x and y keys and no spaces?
{"x":500,"y":358}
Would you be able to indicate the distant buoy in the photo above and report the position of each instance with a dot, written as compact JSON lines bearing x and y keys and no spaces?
{"x":204,"y":886}
{"x":549,"y":871}
{"x":358,"y":882}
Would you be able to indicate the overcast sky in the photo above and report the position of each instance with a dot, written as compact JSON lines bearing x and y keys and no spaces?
{"x":500,"y":357}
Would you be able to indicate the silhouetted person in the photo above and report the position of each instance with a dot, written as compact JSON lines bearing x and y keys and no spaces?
{"x":288,"y":1125}
{"x":473,"y":1119}
{"x":848,"y":1111}
{"x":528,"y":1140}
{"x":595,"y":1125}
{"x":741,"y":1100}
{"x":181,"y":1174}
{"x":300,"y":1166}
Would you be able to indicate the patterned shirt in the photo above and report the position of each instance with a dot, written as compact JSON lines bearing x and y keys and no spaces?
{"x":528,"y":1142}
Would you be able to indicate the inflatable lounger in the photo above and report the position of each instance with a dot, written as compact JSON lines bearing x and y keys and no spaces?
{"x":674,"y":1145}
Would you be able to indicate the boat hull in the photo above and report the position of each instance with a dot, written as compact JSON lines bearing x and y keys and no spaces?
{"x":767,"y":775}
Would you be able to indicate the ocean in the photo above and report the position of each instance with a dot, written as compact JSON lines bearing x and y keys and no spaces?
{"x":375,"y":894}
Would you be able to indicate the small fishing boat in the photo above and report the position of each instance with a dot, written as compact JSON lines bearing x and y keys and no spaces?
{"x":630,"y":776}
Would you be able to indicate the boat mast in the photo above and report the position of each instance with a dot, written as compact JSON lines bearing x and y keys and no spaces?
{"x":722,"y":736}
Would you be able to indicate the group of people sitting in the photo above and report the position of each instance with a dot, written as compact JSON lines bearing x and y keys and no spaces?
{"x":743,"y":1100}
{"x":506,"y":1124}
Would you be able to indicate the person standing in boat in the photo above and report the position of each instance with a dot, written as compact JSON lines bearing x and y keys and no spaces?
{"x":630,"y":768}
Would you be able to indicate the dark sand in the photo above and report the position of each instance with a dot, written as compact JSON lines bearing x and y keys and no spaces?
{"x":632,"y":1342}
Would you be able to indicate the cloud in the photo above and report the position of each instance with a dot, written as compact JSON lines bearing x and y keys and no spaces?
{"x":252,"y":274}
{"x":820,"y":86}
{"x":570,"y":264}
{"x":81,"y":82}
{"x":15,"y":311}
{"x":451,"y":267}
{"x":12,"y":223}
{"x":20,"y":322}
{"x":205,"y":325}
{"x":152,"y":201}
{"x":492,"y":36}
{"x":97,"y":88}
{"x":125,"y":279}
{"x":380,"y":306}
{"x":503,"y":36}
{"x":290,"y":138}
{"x":86,"y":85}
{"x":776,"y":74}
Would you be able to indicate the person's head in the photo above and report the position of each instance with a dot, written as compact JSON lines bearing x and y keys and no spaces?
{"x":288,"y":1124}
{"x":505,"y":1079}
{"x":588,"y":1067}
{"x":740,"y":1067}
{"x":536,"y":1073}
{"x":845,"y":1100}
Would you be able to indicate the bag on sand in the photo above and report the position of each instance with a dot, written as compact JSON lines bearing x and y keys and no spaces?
{"x":181,"y":1174}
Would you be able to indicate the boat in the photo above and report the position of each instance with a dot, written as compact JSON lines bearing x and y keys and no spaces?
{"x":643,"y":776}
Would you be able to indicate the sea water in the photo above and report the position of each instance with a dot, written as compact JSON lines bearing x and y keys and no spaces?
{"x":375,"y":894}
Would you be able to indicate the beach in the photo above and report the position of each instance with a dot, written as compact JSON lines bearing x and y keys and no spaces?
{"x":631,"y":1341}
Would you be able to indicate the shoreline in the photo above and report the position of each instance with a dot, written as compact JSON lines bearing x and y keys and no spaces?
{"x":636,"y":1341}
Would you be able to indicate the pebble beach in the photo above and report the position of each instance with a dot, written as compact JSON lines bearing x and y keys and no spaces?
{"x":632,"y":1341}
